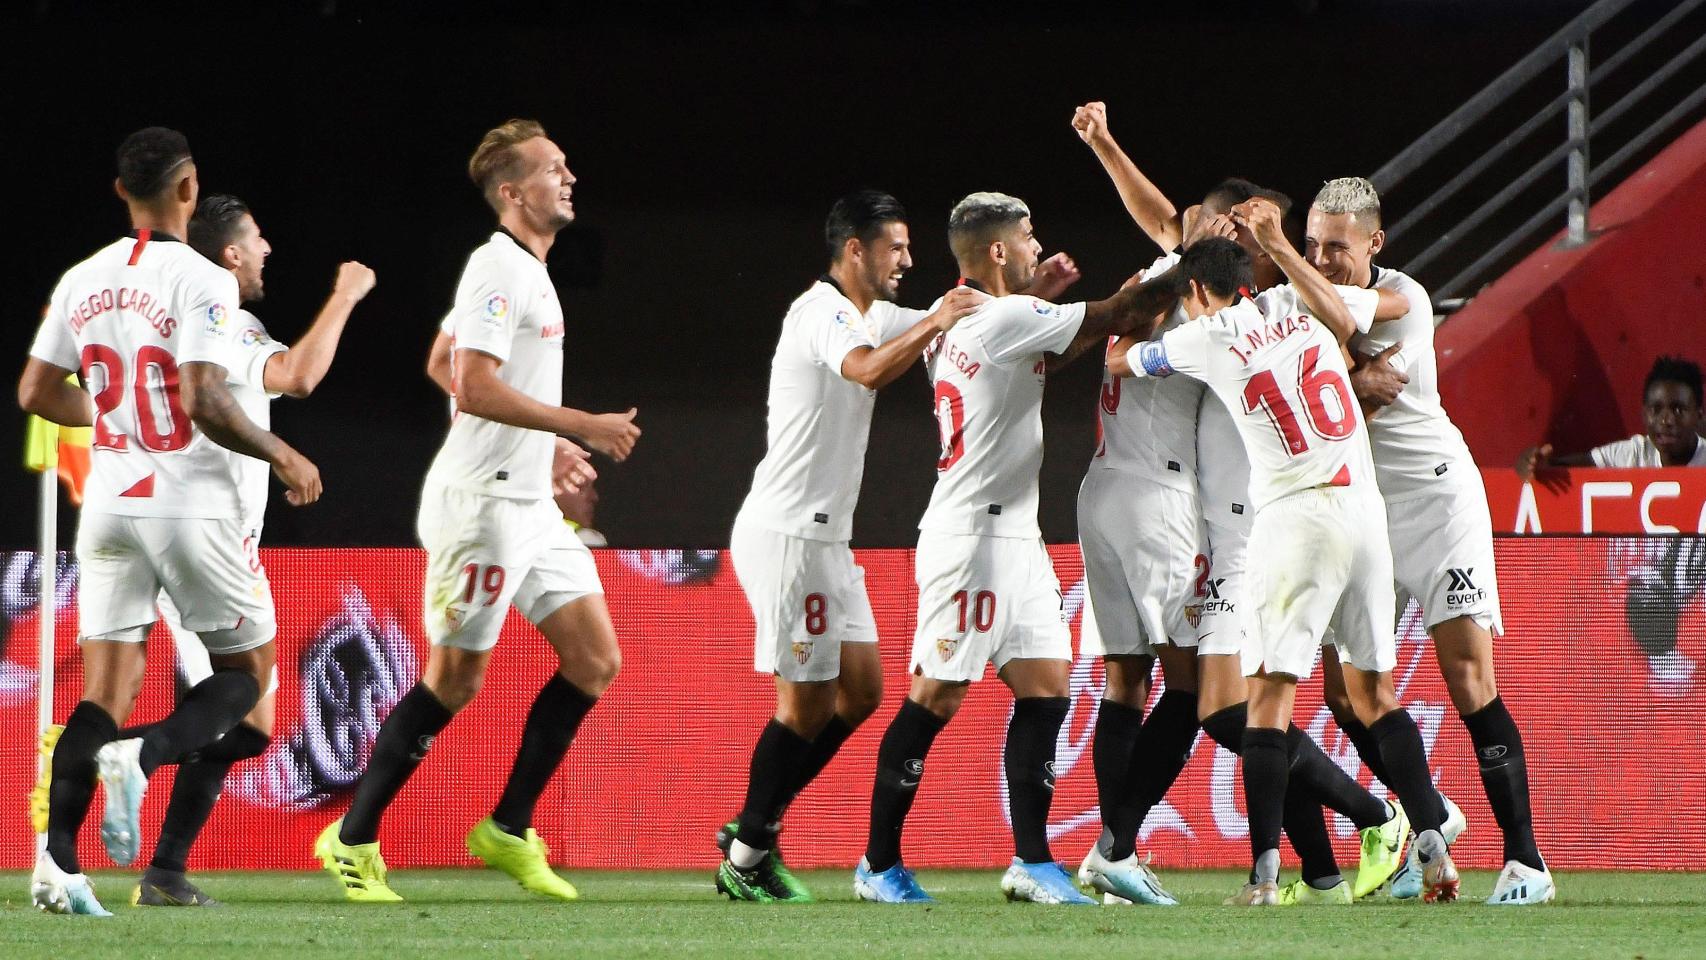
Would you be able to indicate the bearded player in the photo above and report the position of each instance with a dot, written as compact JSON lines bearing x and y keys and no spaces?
{"x":842,"y":340}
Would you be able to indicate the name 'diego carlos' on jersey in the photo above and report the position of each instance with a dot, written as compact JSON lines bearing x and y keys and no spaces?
{"x":1280,"y":372}
{"x":129,"y":317}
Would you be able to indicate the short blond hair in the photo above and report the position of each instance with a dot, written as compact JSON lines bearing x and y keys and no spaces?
{"x":1352,"y":195}
{"x":495,"y":160}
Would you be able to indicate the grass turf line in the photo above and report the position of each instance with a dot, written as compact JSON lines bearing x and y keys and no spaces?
{"x":677,"y":915}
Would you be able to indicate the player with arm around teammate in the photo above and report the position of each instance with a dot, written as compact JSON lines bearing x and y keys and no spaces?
{"x":1318,"y":559}
{"x":150,"y":324}
{"x":492,"y":533}
{"x":987,"y":592}
{"x":841,"y":341}
{"x":1442,"y":539}
{"x":1173,"y":586}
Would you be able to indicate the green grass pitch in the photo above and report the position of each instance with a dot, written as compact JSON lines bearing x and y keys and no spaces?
{"x":469,"y":913}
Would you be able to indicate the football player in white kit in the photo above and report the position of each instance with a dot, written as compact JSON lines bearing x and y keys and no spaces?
{"x":1276,"y":361}
{"x":225,"y":232}
{"x":1167,"y":449}
{"x":987,"y":592}
{"x":492,"y":533}
{"x":841,"y":341}
{"x":150,"y":323}
{"x":1442,"y":539}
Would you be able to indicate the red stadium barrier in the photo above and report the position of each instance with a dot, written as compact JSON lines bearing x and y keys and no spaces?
{"x":662,"y":761}
{"x":1592,"y":501}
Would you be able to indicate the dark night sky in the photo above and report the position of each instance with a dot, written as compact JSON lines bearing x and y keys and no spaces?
{"x":708,"y":149}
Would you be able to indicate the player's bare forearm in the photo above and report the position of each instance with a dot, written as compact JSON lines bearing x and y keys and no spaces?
{"x":301,"y":368}
{"x":297,"y":371}
{"x":1391,"y":305}
{"x":1080,"y":343}
{"x":1135,"y":311}
{"x":438,"y":364}
{"x":876,"y":367}
{"x":209,"y":403}
{"x":481,"y":393}
{"x":45,"y":391}
{"x":1316,"y":291}
{"x":485,"y":396}
{"x":1149,"y":208}
{"x":1118,"y":360}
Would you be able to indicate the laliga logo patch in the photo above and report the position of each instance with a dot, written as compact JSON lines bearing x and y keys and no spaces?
{"x":945,"y":647}
{"x":843,"y":319}
{"x":497,"y":308}
{"x":802,"y":651}
{"x":1043,"y":308}
{"x":253,"y":336}
{"x":216,"y":318}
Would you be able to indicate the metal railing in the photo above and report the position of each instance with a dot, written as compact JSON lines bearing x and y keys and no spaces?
{"x":1570,"y":47}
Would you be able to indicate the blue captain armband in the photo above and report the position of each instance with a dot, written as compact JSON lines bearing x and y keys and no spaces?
{"x":1152,"y":359}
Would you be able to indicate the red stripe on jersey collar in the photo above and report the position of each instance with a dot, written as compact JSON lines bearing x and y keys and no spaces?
{"x":969,"y":282}
{"x":143,"y":236}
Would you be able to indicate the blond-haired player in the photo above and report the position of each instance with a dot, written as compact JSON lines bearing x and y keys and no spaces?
{"x":1442,"y":539}
{"x":493,"y":535}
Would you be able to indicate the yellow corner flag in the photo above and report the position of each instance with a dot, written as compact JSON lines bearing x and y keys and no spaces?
{"x":49,"y":446}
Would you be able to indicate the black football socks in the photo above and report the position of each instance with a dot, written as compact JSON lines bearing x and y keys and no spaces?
{"x":402,"y":744}
{"x":1029,"y":762}
{"x":551,"y":724}
{"x":195,"y":790}
{"x":87,"y":729}
{"x":900,"y":767}
{"x":1504,"y":775}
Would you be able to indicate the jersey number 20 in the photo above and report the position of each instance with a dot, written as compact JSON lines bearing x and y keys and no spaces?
{"x":158,"y":437}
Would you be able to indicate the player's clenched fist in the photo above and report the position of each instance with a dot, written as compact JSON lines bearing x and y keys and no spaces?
{"x":957,"y":304}
{"x":1053,"y":276}
{"x":1262,"y":216}
{"x":613,"y":434}
{"x":1091,"y":122}
{"x":354,"y":281}
{"x":300,"y":477}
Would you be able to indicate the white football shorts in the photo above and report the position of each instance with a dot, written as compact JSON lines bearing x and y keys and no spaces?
{"x":485,"y":553}
{"x":807,"y":597}
{"x":192,"y":654}
{"x":984,"y":600}
{"x":216,"y":583}
{"x":1320,"y":560}
{"x":1442,"y":550}
{"x":1145,"y":560}
{"x":1221,"y":609}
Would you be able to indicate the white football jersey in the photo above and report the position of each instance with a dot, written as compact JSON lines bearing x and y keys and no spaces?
{"x":1413,"y":439}
{"x":1281,"y":372}
{"x":506,"y":307}
{"x":251,"y":350}
{"x":128,"y":317}
{"x":988,"y":373}
{"x":1148,"y":424}
{"x":819,"y":422}
{"x":1223,"y":467}
{"x":1639,"y":451}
